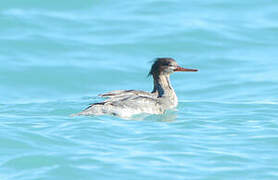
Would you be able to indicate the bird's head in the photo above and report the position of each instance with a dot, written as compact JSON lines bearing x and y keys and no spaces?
{"x":166,"y":66}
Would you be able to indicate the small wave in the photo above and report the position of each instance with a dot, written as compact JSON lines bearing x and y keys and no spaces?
{"x":231,"y":102}
{"x":22,"y":13}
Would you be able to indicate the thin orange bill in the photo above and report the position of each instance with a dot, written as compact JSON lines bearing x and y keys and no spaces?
{"x":185,"y":69}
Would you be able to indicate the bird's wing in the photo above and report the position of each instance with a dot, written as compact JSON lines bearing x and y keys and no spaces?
{"x":119,"y":94}
{"x":126,"y":106}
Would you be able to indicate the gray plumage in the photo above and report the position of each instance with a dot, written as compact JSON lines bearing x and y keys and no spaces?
{"x":126,"y":103}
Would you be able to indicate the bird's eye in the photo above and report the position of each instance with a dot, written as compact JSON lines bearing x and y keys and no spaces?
{"x":167,"y":64}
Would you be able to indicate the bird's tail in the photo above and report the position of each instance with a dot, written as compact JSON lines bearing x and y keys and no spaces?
{"x":76,"y":114}
{"x":93,"y":109}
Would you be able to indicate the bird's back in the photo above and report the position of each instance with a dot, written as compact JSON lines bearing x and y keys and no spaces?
{"x":126,"y":106}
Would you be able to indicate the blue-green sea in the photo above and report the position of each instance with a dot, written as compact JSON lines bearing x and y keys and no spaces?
{"x":57,"y":56}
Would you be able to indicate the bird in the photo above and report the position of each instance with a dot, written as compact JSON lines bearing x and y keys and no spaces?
{"x":127,"y":103}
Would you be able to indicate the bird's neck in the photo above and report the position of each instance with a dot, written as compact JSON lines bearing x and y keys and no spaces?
{"x":162,"y":86}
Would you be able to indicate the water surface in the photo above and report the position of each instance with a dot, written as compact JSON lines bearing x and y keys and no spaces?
{"x":56,"y":56}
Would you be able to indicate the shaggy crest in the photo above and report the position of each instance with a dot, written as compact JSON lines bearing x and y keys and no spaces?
{"x":159,"y":65}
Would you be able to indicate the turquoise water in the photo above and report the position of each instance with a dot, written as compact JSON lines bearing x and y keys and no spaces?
{"x":57,"y":56}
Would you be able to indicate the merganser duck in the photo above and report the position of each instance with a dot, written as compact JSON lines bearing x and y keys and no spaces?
{"x":126,"y":103}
